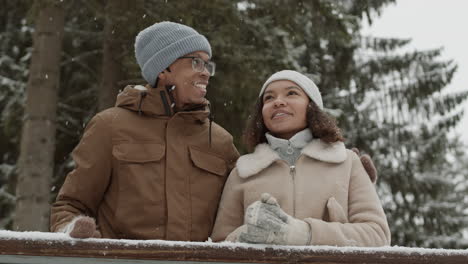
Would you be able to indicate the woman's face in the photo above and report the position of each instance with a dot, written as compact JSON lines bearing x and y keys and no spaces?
{"x":284,"y":108}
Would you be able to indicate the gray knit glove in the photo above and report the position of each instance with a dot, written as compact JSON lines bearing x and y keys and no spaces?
{"x":267,"y":223}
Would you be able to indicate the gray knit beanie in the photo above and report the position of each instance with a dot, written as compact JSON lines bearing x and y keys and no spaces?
{"x":159,"y":45}
{"x":303,"y":81}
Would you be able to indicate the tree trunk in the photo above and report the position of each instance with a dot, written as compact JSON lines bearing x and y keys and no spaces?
{"x":36,"y":159}
{"x":113,"y":52}
{"x":122,"y":19}
{"x":111,"y":65}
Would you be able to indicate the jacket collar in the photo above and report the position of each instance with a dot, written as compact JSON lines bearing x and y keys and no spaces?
{"x":264,"y":156}
{"x":298,"y":141}
{"x":149,"y":101}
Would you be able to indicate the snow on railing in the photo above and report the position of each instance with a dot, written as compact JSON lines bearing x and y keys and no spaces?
{"x":39,"y":247}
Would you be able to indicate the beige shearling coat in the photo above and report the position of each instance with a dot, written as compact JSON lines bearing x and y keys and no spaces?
{"x":328,"y":188}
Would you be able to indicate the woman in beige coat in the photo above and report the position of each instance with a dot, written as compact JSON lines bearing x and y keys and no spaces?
{"x":300,"y":186}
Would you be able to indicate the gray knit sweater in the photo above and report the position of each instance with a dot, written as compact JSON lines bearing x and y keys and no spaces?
{"x":289,"y":150}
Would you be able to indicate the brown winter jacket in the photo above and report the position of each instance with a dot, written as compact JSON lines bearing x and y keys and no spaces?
{"x":146,"y":175}
{"x":328,"y":188}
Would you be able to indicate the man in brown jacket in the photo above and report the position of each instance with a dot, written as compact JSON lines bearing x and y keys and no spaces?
{"x":153,"y":166}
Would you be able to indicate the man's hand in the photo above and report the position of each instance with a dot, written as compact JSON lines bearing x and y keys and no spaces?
{"x":267,"y":223}
{"x":84,"y":227}
{"x":368,"y":165}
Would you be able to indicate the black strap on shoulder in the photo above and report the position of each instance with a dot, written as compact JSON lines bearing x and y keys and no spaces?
{"x":167,"y":107}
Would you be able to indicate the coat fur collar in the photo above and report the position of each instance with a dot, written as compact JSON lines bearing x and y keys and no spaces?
{"x":263,"y":156}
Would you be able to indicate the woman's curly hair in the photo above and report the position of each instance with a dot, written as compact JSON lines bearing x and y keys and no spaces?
{"x":320,"y":124}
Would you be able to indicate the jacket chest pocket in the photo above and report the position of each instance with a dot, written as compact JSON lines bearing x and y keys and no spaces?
{"x":139,"y":180}
{"x":208,"y":162}
{"x":206,"y":184}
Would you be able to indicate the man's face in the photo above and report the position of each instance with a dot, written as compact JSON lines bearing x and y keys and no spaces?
{"x":190,"y":84}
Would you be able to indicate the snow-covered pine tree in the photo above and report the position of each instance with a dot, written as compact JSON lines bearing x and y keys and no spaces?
{"x":15,"y":54}
{"x":405,"y":117}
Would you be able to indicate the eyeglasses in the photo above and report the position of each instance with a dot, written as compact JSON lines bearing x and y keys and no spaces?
{"x":199,"y":65}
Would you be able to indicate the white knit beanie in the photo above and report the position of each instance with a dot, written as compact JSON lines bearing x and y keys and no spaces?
{"x":159,"y":45}
{"x":303,"y":81}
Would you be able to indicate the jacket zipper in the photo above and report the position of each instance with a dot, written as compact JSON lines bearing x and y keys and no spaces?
{"x":292,"y":172}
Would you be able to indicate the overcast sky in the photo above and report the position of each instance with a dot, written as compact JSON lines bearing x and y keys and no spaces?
{"x":432,"y":24}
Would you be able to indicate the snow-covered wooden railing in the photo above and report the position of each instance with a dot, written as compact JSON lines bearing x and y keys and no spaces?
{"x":37,"y":247}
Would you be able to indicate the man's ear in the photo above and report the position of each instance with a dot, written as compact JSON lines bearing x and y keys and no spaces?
{"x":162,"y":76}
{"x":162,"y":79}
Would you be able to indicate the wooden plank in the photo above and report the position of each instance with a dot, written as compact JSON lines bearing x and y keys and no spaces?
{"x":105,"y":249}
{"x":19,"y":259}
